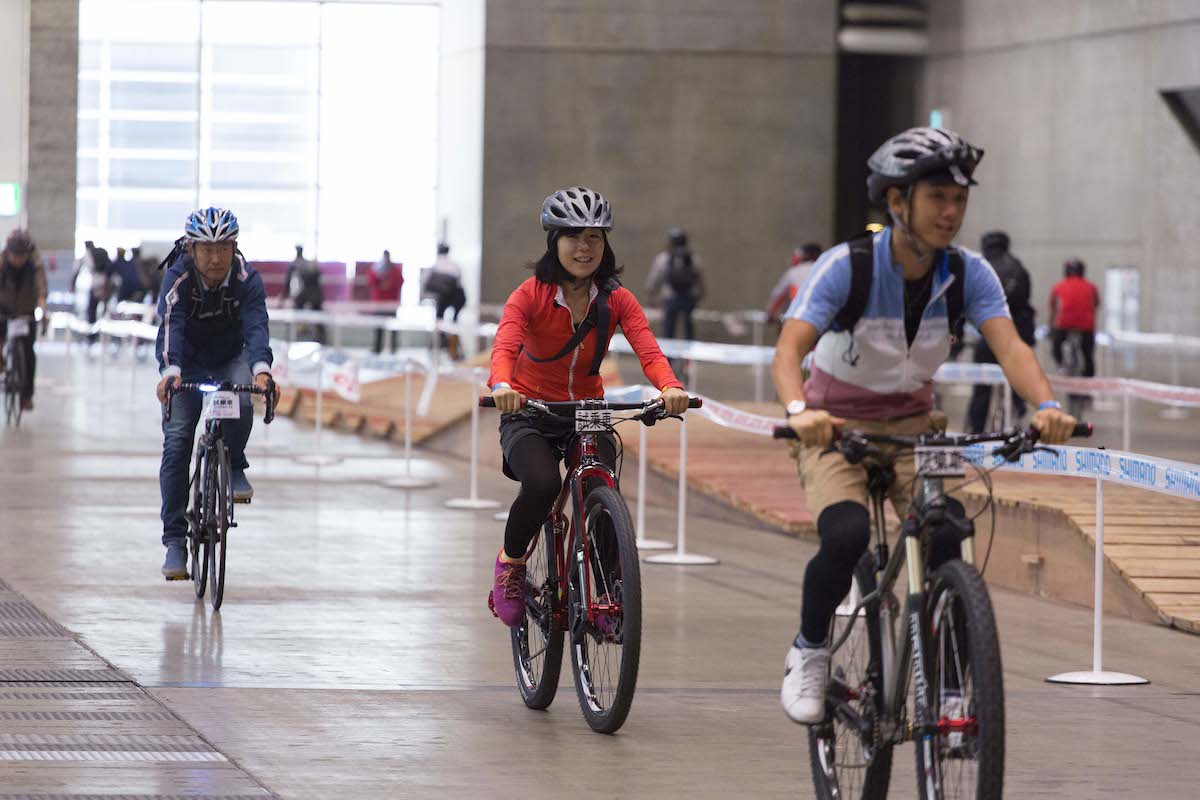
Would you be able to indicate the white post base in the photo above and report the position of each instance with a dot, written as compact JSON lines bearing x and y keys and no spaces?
{"x":1097,"y":678}
{"x":408,"y":482}
{"x":319,"y":459}
{"x":681,"y":559}
{"x":654,"y":544}
{"x":500,"y":516}
{"x":1173,"y":413}
{"x":470,"y":504}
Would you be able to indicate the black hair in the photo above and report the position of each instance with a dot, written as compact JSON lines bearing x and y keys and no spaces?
{"x":548,"y":269}
{"x":812,"y":250}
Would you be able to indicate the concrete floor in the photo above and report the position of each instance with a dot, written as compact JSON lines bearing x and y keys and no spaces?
{"x":355,"y":656}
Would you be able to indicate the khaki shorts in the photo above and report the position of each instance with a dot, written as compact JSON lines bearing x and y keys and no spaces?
{"x":829,"y":479}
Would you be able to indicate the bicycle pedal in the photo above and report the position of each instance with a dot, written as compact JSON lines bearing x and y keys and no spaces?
{"x":177,"y":578}
{"x":242,"y":501}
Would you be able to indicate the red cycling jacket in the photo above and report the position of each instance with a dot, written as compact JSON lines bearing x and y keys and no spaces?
{"x":1077,"y":301}
{"x":537,"y":319}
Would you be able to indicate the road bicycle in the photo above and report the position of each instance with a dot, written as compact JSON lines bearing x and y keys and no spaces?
{"x":210,"y":512}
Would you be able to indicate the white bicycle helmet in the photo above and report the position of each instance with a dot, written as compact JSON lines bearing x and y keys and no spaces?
{"x":576,"y":207}
{"x":917,"y":153}
{"x":211,"y":225}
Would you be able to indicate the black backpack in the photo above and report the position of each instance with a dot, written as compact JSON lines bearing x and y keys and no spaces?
{"x":681,"y":273}
{"x":862,"y":272}
{"x":598,"y":319}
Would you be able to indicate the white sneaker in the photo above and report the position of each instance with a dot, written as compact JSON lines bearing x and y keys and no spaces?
{"x":805,"y":679}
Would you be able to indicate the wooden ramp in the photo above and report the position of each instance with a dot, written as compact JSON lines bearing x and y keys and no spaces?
{"x":1152,"y":541}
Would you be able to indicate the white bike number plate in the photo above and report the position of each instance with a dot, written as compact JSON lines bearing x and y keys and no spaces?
{"x":593,"y":420}
{"x":18,"y":327}
{"x":224,"y":405}
{"x":940,"y":462}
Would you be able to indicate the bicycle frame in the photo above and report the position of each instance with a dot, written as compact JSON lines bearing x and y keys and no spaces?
{"x":583,"y":463}
{"x":898,"y":657}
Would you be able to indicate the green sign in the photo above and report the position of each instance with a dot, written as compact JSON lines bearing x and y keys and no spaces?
{"x":10,"y":199}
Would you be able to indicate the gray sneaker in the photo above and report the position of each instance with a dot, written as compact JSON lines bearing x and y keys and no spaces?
{"x":174,"y":566}
{"x":242,"y":490}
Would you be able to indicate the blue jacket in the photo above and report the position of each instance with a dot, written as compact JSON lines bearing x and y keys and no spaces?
{"x":204,"y":329}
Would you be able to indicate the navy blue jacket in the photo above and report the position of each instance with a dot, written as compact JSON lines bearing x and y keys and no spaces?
{"x":205,"y":329}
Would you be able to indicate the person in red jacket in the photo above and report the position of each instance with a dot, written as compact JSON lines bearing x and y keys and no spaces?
{"x":385,"y":279}
{"x":1073,"y":304}
{"x":552,"y":336}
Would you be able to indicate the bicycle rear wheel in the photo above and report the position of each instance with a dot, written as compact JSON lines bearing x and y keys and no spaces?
{"x":848,"y":763}
{"x":218,"y":533}
{"x":606,"y":611}
{"x":537,"y":643}
{"x":966,"y":758}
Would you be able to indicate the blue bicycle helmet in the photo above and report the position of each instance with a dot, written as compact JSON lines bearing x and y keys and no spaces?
{"x":211,"y":225}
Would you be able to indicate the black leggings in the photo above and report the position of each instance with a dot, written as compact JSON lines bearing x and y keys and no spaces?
{"x":534,"y":459}
{"x":845,"y":531}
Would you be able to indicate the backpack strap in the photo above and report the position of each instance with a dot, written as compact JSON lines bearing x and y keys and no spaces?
{"x":954,"y":294}
{"x":862,"y":270}
{"x":598,"y":319}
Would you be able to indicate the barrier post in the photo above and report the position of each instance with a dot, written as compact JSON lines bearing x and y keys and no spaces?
{"x":642,"y":542}
{"x":1174,"y":412}
{"x":756,"y":329}
{"x":317,"y":458}
{"x":1097,"y":676}
{"x":1126,"y":419}
{"x":474,"y":502}
{"x":408,"y":480}
{"x":681,"y":557}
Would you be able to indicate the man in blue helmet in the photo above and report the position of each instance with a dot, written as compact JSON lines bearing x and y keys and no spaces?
{"x":214,"y":327}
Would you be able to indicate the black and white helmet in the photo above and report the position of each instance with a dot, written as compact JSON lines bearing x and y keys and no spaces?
{"x":916,"y":153}
{"x":576,"y":207}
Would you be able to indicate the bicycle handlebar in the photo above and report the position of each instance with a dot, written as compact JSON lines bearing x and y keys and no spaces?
{"x":564,"y":407}
{"x":224,"y":386}
{"x":1083,"y":430}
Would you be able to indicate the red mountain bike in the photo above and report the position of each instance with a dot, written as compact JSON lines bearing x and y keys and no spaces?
{"x":600,"y":606}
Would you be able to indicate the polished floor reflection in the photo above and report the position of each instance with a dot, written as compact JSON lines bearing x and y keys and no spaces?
{"x":355,"y":656}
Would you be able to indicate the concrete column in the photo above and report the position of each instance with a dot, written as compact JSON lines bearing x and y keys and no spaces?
{"x":53,"y":100}
{"x":14,"y":91}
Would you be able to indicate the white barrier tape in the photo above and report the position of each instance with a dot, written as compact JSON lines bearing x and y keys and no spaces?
{"x":736,"y":419}
{"x":1160,"y":475}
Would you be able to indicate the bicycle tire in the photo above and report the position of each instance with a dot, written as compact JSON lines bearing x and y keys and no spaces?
{"x":11,"y":399}
{"x":606,"y":524}
{"x":543,"y":587}
{"x":877,"y":772}
{"x":18,"y":372}
{"x":202,"y":515}
{"x":957,"y":587}
{"x":220,"y":529}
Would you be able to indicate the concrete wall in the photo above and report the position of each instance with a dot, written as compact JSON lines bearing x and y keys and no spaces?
{"x":14,"y":91}
{"x":460,"y":135}
{"x":53,"y":98}
{"x":712,"y":115}
{"x":1083,"y":157}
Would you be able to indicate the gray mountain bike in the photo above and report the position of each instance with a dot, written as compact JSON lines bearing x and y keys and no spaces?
{"x":939,"y":683}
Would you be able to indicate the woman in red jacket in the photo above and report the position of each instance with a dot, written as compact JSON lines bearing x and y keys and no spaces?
{"x":538,"y":354}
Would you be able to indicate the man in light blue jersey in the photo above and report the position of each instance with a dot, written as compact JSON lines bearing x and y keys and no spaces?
{"x":880,"y":331}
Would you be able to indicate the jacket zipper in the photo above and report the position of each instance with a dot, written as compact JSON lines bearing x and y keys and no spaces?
{"x":571,"y":372}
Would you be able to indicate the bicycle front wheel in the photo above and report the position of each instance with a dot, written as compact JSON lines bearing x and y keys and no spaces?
{"x":966,"y":757}
{"x":19,"y":368}
{"x":220,"y":529}
{"x":198,"y":522}
{"x":537,"y":643}
{"x":848,"y":761}
{"x":606,"y":611}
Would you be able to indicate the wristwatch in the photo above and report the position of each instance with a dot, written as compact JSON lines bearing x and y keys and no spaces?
{"x":796,"y":407}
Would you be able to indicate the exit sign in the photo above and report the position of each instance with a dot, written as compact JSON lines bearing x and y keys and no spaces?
{"x":10,"y":199}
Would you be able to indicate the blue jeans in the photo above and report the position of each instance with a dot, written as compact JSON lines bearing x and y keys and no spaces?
{"x":179,"y":435}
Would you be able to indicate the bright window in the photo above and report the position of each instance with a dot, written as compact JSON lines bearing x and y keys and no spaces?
{"x":315,"y":122}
